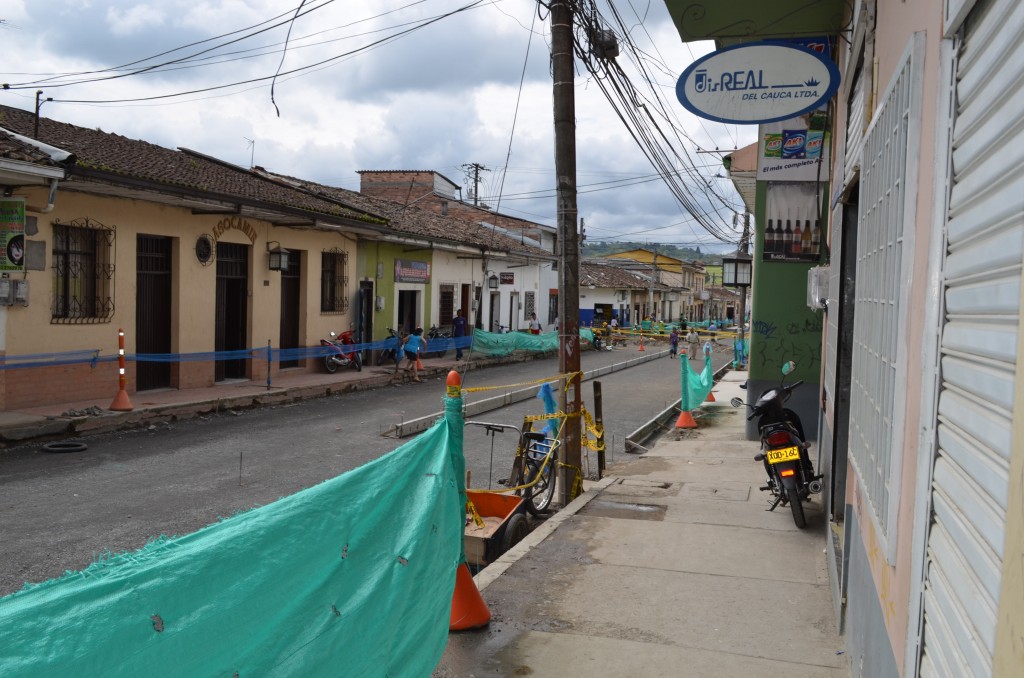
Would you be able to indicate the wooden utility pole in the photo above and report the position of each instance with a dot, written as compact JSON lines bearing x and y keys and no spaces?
{"x":563,"y":75}
{"x":475,"y":168}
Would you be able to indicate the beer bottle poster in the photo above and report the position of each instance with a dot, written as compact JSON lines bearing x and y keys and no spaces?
{"x":793,"y":225}
{"x":12,"y":234}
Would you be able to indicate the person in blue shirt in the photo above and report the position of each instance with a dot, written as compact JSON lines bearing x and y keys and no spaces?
{"x":413,"y":345}
{"x":458,"y":331}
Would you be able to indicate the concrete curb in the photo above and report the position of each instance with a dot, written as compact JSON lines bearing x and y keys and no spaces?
{"x":490,"y":573}
{"x":420,"y":424}
{"x":636,"y":439}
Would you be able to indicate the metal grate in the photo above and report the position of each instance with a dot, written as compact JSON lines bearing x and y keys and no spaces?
{"x":334,"y":281}
{"x":877,"y":328}
{"x":83,"y":272}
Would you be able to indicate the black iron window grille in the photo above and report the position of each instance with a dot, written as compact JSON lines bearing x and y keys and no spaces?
{"x":334,"y":281}
{"x":83,"y":272}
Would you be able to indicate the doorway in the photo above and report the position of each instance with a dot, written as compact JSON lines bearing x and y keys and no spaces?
{"x":513,"y":312}
{"x":364,"y":321}
{"x":495,"y":312}
{"x":152,"y":311}
{"x":291,"y":301}
{"x":232,"y":308}
{"x":407,"y":311}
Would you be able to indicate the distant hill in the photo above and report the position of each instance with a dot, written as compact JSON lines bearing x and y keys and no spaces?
{"x":600,"y":249}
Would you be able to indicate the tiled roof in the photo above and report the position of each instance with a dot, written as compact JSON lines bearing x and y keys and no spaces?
{"x":410,"y":220}
{"x":610,"y":275}
{"x":117,"y":155}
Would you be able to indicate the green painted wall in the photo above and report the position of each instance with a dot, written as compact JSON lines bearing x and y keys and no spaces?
{"x":368,"y":256}
{"x":782,"y":327}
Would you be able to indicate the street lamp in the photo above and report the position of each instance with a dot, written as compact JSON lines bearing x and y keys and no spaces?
{"x":736,"y":272}
{"x":492,"y":282}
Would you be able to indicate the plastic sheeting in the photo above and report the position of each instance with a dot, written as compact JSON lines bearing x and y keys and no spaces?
{"x":696,"y":386}
{"x":351,"y":577}
{"x":491,"y":343}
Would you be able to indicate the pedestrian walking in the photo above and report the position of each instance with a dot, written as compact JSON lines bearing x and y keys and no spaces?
{"x":535,"y":326}
{"x":458,"y":331}
{"x":673,"y":339}
{"x":413,"y":345}
{"x":693,"y":344}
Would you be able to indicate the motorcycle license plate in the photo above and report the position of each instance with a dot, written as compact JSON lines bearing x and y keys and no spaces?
{"x":782,"y":454}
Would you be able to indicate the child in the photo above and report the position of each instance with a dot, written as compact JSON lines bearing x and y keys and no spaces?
{"x":413,"y":345}
{"x":674,"y":340}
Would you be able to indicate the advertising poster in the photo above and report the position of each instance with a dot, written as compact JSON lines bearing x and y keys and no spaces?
{"x":12,"y":234}
{"x":411,"y":271}
{"x":793,"y":228}
{"x":795,"y":149}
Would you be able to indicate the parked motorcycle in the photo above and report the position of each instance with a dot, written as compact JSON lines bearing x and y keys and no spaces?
{"x":341,"y":354}
{"x":391,"y":353}
{"x":438,"y":337}
{"x":791,"y":476}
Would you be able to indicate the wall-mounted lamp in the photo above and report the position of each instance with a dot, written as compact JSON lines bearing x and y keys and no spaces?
{"x":492,"y":282}
{"x":278,"y":256}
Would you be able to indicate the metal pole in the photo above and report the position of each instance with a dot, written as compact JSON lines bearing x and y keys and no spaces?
{"x":599,"y":421}
{"x":744,"y":242}
{"x":563,"y":75}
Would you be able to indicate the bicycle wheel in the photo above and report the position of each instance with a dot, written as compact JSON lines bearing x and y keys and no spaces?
{"x":543,"y":490}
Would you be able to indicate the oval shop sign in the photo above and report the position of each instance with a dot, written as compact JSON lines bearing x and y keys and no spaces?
{"x":757,"y":82}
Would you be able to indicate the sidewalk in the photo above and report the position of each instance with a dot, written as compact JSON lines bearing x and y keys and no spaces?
{"x":71,"y":419}
{"x":670,"y":566}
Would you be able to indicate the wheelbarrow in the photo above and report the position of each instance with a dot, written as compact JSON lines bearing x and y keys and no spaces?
{"x":505,"y":525}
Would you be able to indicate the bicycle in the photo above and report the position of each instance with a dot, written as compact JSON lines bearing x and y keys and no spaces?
{"x":533,"y":468}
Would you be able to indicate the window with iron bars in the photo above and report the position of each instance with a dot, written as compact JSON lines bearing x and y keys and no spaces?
{"x":83,"y":272}
{"x":334,"y":281}
{"x":529,"y":303}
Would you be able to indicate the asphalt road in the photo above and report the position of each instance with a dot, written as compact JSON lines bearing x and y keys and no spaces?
{"x":59,"y":512}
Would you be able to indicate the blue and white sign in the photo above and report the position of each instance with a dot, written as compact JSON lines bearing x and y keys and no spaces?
{"x":757,"y":83}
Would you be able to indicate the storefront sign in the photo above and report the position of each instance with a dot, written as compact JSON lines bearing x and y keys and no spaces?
{"x":407,"y":270}
{"x":234,"y":224}
{"x":758,"y":82}
{"x":12,"y":234}
{"x":507,"y":278}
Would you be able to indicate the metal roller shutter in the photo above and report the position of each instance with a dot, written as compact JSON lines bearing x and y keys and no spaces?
{"x":982,"y":276}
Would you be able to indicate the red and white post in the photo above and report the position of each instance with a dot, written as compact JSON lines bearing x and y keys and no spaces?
{"x":121,"y":401}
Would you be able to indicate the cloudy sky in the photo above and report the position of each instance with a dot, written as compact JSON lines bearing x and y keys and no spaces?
{"x":383,"y":85}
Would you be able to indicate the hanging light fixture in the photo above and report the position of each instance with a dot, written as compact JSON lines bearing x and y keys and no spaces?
{"x":278,"y":256}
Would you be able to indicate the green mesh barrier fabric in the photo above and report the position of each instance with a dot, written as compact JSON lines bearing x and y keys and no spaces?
{"x":491,"y":343}
{"x":351,"y":577}
{"x":696,"y":386}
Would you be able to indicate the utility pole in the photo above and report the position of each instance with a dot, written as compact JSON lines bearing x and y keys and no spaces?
{"x":563,"y":74}
{"x":476,"y":168}
{"x":650,"y":287}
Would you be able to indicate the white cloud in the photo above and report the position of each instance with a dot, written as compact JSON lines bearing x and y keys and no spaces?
{"x":133,"y":20}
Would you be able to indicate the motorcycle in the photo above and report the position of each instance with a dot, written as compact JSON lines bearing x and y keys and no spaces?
{"x":391,"y":353}
{"x":443,"y":339}
{"x":340,"y":354}
{"x":791,"y":478}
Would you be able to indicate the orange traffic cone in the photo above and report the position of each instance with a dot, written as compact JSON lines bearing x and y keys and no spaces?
{"x":711,"y":397}
{"x":685,"y":420}
{"x":641,"y":343}
{"x":419,"y":365}
{"x":469,"y":611}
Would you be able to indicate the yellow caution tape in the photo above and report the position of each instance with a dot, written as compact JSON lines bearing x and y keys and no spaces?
{"x":557,"y":377}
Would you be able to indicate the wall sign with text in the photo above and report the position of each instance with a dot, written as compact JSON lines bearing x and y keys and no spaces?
{"x":758,"y":82}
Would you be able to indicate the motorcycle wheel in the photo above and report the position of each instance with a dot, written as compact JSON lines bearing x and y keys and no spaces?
{"x":357,"y":362}
{"x":330,"y":364}
{"x":796,"y":506}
